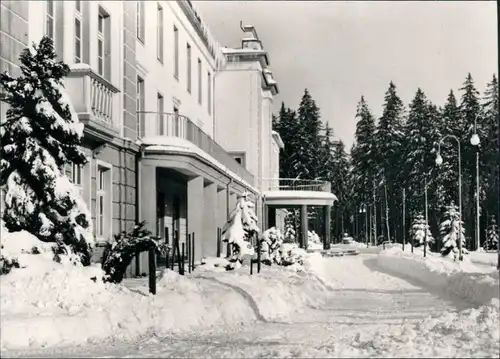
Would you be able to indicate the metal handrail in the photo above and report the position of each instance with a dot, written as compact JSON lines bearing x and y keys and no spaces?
{"x":295,"y":184}
{"x":168,"y":124}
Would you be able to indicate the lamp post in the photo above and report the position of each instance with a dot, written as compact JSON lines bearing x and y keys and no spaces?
{"x":362,"y":209}
{"x":474,"y":140}
{"x":439,"y":161}
{"x":404,"y":218}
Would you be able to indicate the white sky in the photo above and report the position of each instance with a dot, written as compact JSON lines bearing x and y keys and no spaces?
{"x":341,"y":50}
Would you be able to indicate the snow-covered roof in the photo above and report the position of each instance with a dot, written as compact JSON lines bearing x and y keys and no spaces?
{"x":301,"y":194}
{"x":176,"y":144}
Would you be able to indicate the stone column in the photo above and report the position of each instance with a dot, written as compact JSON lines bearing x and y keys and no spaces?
{"x":221,"y":212}
{"x":209,"y":241}
{"x":147,"y":207}
{"x":195,"y":213}
{"x":303,"y":226}
{"x":327,"y":217}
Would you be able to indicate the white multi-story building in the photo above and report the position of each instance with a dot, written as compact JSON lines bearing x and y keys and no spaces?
{"x":175,"y":126}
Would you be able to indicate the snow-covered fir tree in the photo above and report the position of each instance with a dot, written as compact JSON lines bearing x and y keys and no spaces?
{"x":418,"y":230}
{"x":239,"y":230}
{"x":271,"y":242}
{"x":491,"y":242}
{"x":449,"y":230}
{"x":40,"y":135}
{"x":290,"y":235}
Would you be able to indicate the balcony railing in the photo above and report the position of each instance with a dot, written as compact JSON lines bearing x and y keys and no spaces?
{"x":93,"y":98}
{"x":293,"y":184}
{"x":175,"y":125}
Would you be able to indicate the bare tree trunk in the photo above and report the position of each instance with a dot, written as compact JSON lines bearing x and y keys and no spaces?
{"x":387,"y":213}
{"x":374,"y":215}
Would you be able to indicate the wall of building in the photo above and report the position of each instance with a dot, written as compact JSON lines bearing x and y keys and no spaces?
{"x":238,"y":104}
{"x":159,"y":75}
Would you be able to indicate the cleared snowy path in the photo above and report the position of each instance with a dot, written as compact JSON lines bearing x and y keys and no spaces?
{"x":362,"y":318}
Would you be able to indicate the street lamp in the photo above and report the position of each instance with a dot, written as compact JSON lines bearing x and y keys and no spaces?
{"x":474,"y":140}
{"x":363,"y":210}
{"x":439,"y":161}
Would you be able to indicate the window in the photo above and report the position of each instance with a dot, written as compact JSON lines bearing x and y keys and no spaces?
{"x":209,"y":93}
{"x":78,"y":35}
{"x":104,"y":201}
{"x":50,"y":19}
{"x":141,"y":21}
{"x":160,"y":109}
{"x":76,"y":175}
{"x":176,"y":53}
{"x":141,"y":125}
{"x":103,"y":44}
{"x":159,"y":35}
{"x":238,"y":159}
{"x":188,"y":65}
{"x":199,"y":81}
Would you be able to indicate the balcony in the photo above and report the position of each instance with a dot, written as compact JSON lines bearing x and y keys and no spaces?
{"x":94,"y":100}
{"x":153,"y":124}
{"x":293,"y":192}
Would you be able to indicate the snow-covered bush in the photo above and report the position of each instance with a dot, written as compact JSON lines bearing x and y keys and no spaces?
{"x":240,"y":229}
{"x":313,"y":240}
{"x":449,"y":230}
{"x":491,"y":242}
{"x":290,"y":254}
{"x":121,"y":250}
{"x":40,"y":136}
{"x":418,"y":230}
{"x":270,"y":245}
{"x":289,"y":235}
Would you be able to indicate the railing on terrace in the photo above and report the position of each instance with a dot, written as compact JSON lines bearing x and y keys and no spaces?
{"x":294,"y":184}
{"x":175,"y":125}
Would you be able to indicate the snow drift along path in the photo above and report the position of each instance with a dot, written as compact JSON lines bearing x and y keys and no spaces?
{"x":368,"y":313}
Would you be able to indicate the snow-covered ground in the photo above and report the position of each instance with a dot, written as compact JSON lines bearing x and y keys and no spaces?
{"x":351,"y":310}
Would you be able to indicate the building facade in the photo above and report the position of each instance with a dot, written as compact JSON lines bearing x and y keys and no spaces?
{"x":176,"y":127}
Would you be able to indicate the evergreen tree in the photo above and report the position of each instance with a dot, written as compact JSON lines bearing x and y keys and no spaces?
{"x":363,"y":153}
{"x":306,"y":162}
{"x":240,"y":229}
{"x":389,"y":138}
{"x":448,"y":170}
{"x":292,"y":136}
{"x":418,"y":231}
{"x":489,"y":147}
{"x":340,"y":183}
{"x":470,"y":109}
{"x":491,"y":242}
{"x":327,"y":171}
{"x":449,"y":230}
{"x":41,"y":135}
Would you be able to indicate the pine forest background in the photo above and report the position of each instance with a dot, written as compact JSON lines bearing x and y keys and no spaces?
{"x":397,"y":152}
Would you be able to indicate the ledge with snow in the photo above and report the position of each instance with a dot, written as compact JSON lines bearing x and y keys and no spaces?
{"x":310,"y":198}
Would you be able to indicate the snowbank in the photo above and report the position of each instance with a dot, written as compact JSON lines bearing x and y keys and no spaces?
{"x":475,"y":285}
{"x":472,"y":333}
{"x":53,"y":304}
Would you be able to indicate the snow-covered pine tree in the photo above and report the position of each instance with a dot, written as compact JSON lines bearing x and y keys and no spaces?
{"x":40,"y":135}
{"x":310,"y":126}
{"x":491,"y":242}
{"x":389,"y":138}
{"x":449,"y":230}
{"x":489,"y":147}
{"x":417,"y":231}
{"x":239,"y":230}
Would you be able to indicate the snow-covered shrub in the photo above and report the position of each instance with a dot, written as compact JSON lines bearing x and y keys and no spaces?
{"x":290,"y":254}
{"x":449,"y":230}
{"x":240,"y":229}
{"x":313,"y":240}
{"x":121,"y":250}
{"x":491,"y":242}
{"x":347,"y":239}
{"x":417,"y":231}
{"x":40,"y":136}
{"x":270,"y":245}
